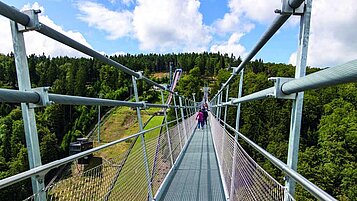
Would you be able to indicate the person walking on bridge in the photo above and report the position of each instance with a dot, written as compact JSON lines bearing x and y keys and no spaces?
{"x":205,"y":115}
{"x":200,"y":118}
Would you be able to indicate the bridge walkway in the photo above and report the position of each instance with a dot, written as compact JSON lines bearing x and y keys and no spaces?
{"x":197,"y":176}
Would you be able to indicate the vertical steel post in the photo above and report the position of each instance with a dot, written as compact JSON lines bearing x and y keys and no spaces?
{"x":296,"y":112}
{"x":167,"y":128}
{"x":194,"y":101}
{"x":28,"y":114}
{"x":183,"y":119}
{"x":224,"y":119}
{"x":225,"y":107}
{"x":214,"y":112}
{"x":100,"y":96}
{"x":217,"y":111}
{"x":177,"y":120}
{"x":189,"y":104}
{"x":191,"y":109}
{"x":240,"y":92}
{"x":142,"y":140}
{"x":187,"y":111}
{"x":220,"y":107}
{"x":240,"y":89}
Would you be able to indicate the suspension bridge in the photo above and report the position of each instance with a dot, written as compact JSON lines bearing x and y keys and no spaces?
{"x":181,"y":163}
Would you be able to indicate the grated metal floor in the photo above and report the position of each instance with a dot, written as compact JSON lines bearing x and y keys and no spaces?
{"x":197,"y":176}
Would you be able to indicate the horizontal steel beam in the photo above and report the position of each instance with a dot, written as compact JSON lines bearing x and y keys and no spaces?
{"x":341,"y":74}
{"x":312,"y":188}
{"x":14,"y":14}
{"x":15,"y":96}
{"x":328,"y":77}
{"x":43,"y":169}
{"x":23,"y":19}
{"x":254,"y":96}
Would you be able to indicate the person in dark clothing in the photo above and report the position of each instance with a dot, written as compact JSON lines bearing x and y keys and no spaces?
{"x":205,"y":116}
{"x":200,"y":119}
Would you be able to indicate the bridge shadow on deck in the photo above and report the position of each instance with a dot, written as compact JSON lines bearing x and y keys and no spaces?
{"x":197,"y":175}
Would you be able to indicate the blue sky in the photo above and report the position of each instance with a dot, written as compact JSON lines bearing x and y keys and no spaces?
{"x":165,"y":26}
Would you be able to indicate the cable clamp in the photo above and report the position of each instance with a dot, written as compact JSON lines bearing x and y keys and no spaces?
{"x":286,"y":9}
{"x":144,"y":105}
{"x":140,"y":74}
{"x":44,"y":98}
{"x":278,"y":93}
{"x":34,"y":23}
{"x":234,"y":71}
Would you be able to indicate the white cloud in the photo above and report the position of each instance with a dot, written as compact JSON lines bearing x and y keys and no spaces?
{"x":37,"y":43}
{"x":333,"y":38}
{"x":231,"y":46}
{"x":165,"y":25}
{"x":35,"y":6}
{"x":158,"y":25}
{"x":128,"y":2}
{"x":292,"y":58}
{"x":243,"y":13}
{"x":5,"y":35}
{"x":116,"y":24}
{"x":240,"y":20}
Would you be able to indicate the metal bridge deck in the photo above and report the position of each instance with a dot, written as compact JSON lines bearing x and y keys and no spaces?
{"x":197,"y":175}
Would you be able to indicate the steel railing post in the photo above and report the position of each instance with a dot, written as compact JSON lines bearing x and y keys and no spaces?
{"x":194,"y":101}
{"x":217,"y":107}
{"x":100,"y":96}
{"x":190,"y":107}
{"x":142,"y":140}
{"x":224,"y":119}
{"x":186,"y":108}
{"x":167,"y":129}
{"x":220,"y":107}
{"x":28,"y":113}
{"x":183,"y":119}
{"x":226,"y":107}
{"x":296,"y":112}
{"x":235,"y":149}
{"x":177,"y":121}
{"x":240,"y":92}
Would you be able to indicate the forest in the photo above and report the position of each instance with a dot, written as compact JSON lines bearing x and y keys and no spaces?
{"x":328,"y":144}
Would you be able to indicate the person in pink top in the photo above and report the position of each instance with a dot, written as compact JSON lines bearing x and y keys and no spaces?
{"x":200,"y":118}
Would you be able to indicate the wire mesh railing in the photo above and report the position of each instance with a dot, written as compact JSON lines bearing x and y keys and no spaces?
{"x":238,"y":169}
{"x":123,"y":177}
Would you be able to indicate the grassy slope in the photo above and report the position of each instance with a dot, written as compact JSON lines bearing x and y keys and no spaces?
{"x":132,"y":181}
{"x":122,"y":123}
